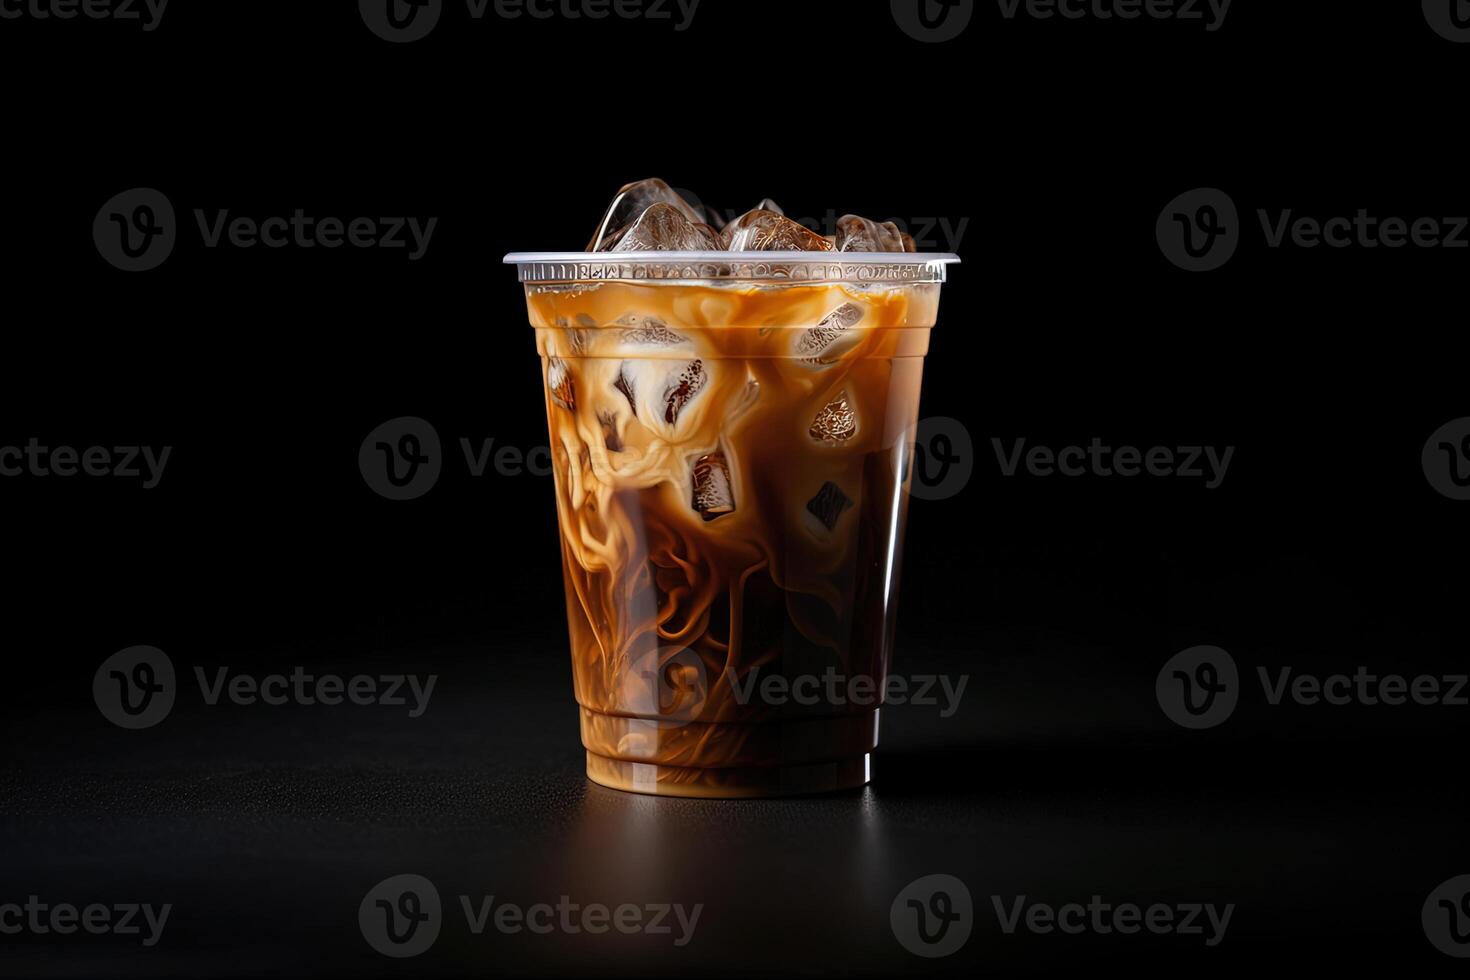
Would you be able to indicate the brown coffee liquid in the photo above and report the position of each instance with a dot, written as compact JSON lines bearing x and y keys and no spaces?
{"x":728,"y":462}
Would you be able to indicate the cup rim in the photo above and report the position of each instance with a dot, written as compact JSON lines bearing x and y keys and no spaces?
{"x":881,"y":258}
{"x":760,"y":267}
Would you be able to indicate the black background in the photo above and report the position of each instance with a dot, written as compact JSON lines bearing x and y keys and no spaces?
{"x":262,"y":548}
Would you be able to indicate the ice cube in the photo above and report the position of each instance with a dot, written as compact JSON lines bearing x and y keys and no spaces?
{"x":855,"y":234}
{"x":630,"y":204}
{"x":712,"y":217}
{"x":662,"y":228}
{"x":648,"y":331}
{"x":836,"y":422}
{"x":767,"y":204}
{"x":665,"y":392}
{"x":823,"y":343}
{"x":625,"y":382}
{"x":829,"y":503}
{"x":712,"y":493}
{"x":559,"y":381}
{"x":766,"y":231}
{"x":681,"y":389}
{"x":610,"y":436}
{"x":576,"y":338}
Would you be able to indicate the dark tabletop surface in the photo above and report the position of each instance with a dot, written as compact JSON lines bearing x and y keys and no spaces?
{"x":265,"y":827}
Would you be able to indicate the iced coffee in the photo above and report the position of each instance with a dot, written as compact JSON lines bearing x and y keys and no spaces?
{"x":729,"y":405}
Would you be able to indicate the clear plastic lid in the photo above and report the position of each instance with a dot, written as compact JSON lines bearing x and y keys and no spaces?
{"x":815,"y":267}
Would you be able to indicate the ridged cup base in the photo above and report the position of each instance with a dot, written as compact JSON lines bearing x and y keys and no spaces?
{"x":725,"y":784}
